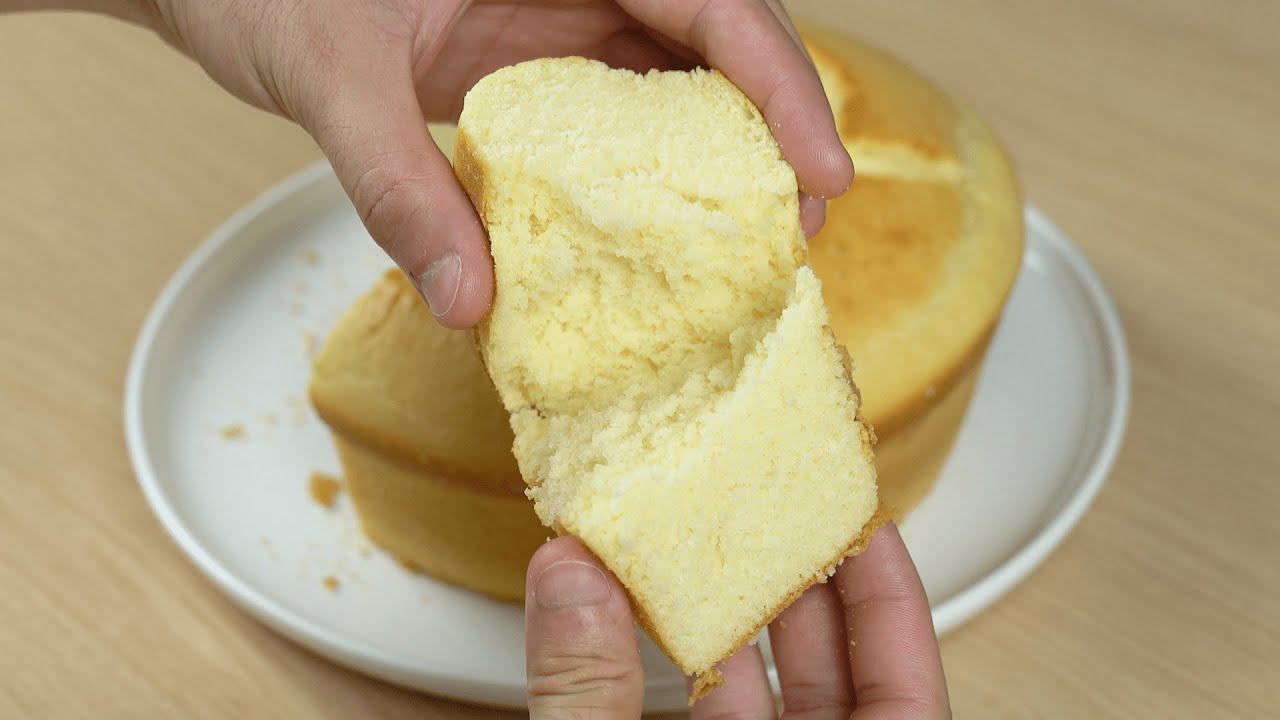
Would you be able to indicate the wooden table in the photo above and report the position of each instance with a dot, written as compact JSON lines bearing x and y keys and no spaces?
{"x":1149,"y":130}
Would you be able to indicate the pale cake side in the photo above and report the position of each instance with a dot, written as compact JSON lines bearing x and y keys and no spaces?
{"x":442,"y":527}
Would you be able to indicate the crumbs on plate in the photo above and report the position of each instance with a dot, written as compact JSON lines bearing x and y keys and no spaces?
{"x":235,"y":431}
{"x":324,"y":488}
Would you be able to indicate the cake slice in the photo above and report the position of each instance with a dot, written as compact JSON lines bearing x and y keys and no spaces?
{"x":424,"y":442}
{"x":678,"y":400}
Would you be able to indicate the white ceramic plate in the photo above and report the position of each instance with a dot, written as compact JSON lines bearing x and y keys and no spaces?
{"x":225,"y":352}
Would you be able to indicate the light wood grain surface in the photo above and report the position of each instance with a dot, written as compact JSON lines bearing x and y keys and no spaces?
{"x":1150,"y":131}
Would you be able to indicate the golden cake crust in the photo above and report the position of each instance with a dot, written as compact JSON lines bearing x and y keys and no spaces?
{"x":918,"y":258}
{"x":391,"y":379}
{"x":879,"y":100}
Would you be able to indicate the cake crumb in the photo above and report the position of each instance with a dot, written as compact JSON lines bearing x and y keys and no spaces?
{"x":331,"y":583}
{"x":297,"y":410}
{"x":265,"y":542}
{"x":782,"y":624}
{"x":704,"y":683}
{"x":363,"y":547}
{"x":235,"y":431}
{"x":324,"y":488}
{"x":409,"y":565}
{"x":308,"y":256}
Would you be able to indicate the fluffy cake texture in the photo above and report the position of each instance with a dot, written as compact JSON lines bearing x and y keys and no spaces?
{"x":678,"y":400}
{"x":567,"y":181}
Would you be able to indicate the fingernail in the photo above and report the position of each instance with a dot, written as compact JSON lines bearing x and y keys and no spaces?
{"x":439,"y":284}
{"x":571,"y":583}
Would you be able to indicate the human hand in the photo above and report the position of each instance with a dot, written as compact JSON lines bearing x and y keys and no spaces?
{"x":860,"y":646}
{"x":363,"y":77}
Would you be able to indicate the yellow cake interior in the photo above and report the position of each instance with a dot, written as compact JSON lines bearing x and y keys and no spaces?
{"x":678,"y":401}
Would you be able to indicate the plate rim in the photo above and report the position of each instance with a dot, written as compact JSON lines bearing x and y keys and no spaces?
{"x":961,"y":607}
{"x":230,"y":584}
{"x":947,"y":615}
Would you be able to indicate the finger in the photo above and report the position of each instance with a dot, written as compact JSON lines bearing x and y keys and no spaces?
{"x":641,"y":51}
{"x":580,"y":643}
{"x":680,"y":50}
{"x":813,"y":214}
{"x":784,"y":19}
{"x":813,"y":211}
{"x":369,"y":124}
{"x":745,"y":41}
{"x":745,"y":693}
{"x":893,"y":651}
{"x":812,"y":656}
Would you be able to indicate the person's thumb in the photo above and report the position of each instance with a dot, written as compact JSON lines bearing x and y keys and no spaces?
{"x":580,"y":648}
{"x":371,"y":128}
